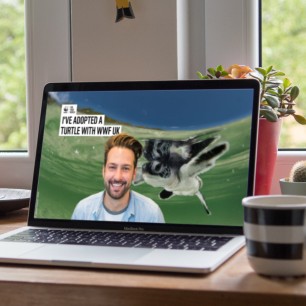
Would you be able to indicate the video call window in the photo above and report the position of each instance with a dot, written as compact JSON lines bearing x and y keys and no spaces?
{"x":194,"y":163}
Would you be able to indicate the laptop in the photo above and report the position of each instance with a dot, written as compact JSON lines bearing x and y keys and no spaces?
{"x":198,"y":142}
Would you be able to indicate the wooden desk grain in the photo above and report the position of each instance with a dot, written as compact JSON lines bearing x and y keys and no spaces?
{"x":234,"y":283}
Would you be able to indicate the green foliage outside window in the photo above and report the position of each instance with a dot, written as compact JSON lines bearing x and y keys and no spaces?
{"x":13,"y":129}
{"x":283,"y":46}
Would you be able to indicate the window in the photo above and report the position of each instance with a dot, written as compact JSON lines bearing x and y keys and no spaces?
{"x":13,"y":129}
{"x":210,"y":32}
{"x":283,"y":38}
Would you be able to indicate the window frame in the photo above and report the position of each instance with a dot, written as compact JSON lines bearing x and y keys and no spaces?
{"x":48,"y":59}
{"x":47,"y":35}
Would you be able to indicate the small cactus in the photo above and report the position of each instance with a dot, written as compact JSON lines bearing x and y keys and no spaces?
{"x":298,"y":172}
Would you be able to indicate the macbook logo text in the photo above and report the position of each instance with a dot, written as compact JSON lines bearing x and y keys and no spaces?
{"x":131,"y":228}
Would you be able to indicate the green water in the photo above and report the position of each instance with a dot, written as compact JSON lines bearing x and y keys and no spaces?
{"x":71,"y":170}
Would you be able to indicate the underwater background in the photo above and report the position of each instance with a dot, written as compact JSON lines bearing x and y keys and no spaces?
{"x":71,"y":169}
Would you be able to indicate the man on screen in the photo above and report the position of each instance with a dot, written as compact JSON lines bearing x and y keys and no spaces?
{"x":118,"y":202}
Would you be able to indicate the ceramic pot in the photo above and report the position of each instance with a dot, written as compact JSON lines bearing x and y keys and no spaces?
{"x":292,"y":188}
{"x":267,"y":146}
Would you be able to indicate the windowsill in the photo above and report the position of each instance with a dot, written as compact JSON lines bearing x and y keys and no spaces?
{"x":13,"y":155}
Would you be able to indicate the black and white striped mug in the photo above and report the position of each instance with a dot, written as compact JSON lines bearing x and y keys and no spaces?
{"x":275,"y":232}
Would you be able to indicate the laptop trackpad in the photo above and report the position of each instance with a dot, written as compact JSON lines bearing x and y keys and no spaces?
{"x":86,"y":254}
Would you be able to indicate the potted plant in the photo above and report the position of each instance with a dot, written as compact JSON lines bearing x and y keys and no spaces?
{"x":296,"y":182}
{"x":277,"y":95}
{"x":277,"y":101}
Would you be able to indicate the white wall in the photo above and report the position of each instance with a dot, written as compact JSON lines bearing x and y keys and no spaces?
{"x":167,"y":40}
{"x":144,"y":48}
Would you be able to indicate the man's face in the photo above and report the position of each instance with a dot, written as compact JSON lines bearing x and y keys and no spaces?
{"x":119,"y":172}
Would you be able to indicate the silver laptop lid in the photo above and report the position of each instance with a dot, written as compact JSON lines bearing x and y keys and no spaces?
{"x":197,"y":163}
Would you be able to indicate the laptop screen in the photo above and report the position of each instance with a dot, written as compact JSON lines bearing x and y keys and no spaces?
{"x":196,"y":162}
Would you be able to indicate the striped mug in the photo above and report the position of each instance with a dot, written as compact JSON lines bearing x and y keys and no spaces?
{"x":275,"y":232}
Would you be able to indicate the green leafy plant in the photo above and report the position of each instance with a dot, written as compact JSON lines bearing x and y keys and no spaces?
{"x":277,"y":94}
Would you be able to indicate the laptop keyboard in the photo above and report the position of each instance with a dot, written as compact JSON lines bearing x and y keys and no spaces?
{"x":115,"y":239}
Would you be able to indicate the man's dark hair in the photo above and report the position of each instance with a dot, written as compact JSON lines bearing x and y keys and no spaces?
{"x":124,"y":141}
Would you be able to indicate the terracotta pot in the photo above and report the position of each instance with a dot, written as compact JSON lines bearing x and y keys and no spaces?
{"x":267,"y":146}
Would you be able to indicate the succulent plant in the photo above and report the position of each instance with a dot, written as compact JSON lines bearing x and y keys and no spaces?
{"x":298,"y":172}
{"x":277,"y":94}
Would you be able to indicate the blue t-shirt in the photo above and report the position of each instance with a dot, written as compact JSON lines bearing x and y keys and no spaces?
{"x":140,"y":209}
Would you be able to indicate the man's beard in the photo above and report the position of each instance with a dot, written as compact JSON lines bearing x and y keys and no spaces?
{"x":116,"y":189}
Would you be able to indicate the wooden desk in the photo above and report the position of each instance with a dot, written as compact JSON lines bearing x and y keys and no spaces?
{"x":234,"y":283}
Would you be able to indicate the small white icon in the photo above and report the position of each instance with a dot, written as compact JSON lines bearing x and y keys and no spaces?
{"x":72,"y":109}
